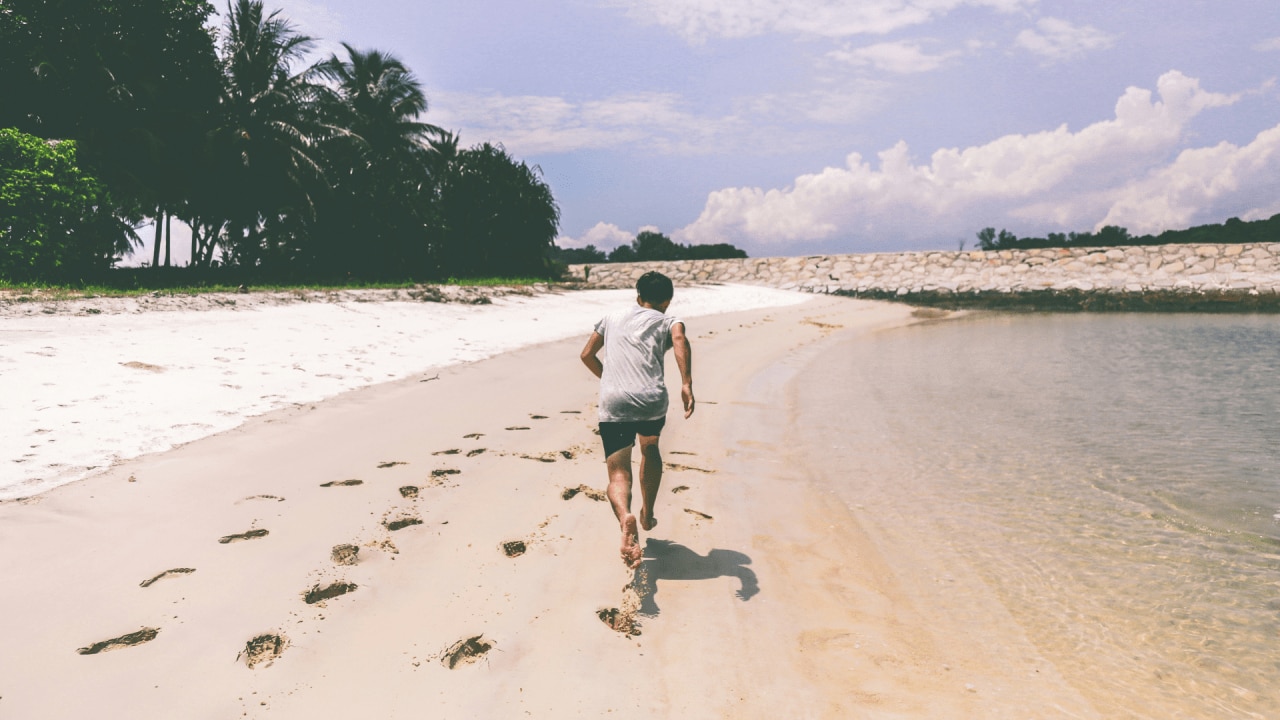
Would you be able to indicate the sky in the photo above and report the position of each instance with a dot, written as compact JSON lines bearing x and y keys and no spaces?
{"x":825,"y":126}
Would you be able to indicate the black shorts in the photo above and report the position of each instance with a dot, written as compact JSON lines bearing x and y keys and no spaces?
{"x":618,"y":435}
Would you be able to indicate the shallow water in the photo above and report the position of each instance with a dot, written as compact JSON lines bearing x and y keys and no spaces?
{"x":1114,"y":479}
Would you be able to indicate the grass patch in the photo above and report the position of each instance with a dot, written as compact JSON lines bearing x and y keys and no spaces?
{"x":126,"y":283}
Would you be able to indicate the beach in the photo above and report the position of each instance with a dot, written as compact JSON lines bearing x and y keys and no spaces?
{"x":91,"y":381}
{"x":435,"y":545}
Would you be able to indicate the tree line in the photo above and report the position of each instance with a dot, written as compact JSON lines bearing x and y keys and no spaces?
{"x":1233,"y":231}
{"x":119,"y":112}
{"x":646,"y":246}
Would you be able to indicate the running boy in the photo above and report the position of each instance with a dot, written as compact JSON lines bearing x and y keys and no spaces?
{"x":633,"y":397}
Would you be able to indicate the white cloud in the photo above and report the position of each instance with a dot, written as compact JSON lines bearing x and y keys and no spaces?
{"x":604,"y":236}
{"x":1268,"y":45}
{"x":1221,"y":180}
{"x":531,"y":125}
{"x":902,"y":57}
{"x":697,"y":20}
{"x":1056,"y":177}
{"x":651,"y":122}
{"x":1055,"y":39}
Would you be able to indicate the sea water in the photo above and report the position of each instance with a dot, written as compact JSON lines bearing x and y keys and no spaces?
{"x":1114,"y":480}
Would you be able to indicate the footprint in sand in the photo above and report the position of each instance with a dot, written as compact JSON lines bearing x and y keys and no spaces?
{"x":345,"y":554}
{"x":391,"y":463}
{"x":623,"y":619}
{"x":570,"y":412}
{"x":698,"y":514}
{"x":450,"y":451}
{"x":477,"y":451}
{"x":249,"y":535}
{"x":680,"y":452}
{"x":165,"y":574}
{"x":319,"y":594}
{"x":679,"y":488}
{"x":438,"y":476}
{"x":409,"y":491}
{"x":517,"y":427}
{"x":819,"y":324}
{"x":676,"y":467}
{"x":277,"y":498}
{"x":342,"y":483}
{"x":401,"y":523}
{"x":537,"y":417}
{"x":590,"y":492}
{"x":619,"y":620}
{"x":263,"y":650}
{"x":144,"y":635}
{"x":473,"y":436}
{"x":513,"y":548}
{"x":466,"y":651}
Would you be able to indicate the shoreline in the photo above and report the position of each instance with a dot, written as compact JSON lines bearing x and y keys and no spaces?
{"x":480,"y":582}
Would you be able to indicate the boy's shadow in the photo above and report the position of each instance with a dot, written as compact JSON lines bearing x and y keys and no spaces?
{"x":667,"y":560}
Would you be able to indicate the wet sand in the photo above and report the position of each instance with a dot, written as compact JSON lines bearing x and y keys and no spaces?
{"x":440,"y":547}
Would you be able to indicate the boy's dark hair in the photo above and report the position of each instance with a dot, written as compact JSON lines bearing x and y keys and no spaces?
{"x":654,"y":288}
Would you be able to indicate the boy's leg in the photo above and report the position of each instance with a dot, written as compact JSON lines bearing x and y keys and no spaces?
{"x":619,"y":493}
{"x":619,"y":490}
{"x":650,"y":479}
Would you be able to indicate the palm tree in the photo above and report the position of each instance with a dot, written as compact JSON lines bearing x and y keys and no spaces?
{"x":381,"y":167}
{"x":379,"y":101}
{"x":268,"y":143}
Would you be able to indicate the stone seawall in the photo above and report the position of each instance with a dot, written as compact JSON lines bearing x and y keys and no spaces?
{"x":1238,"y":271}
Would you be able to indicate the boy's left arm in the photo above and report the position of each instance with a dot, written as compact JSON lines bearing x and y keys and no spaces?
{"x":684,"y":361}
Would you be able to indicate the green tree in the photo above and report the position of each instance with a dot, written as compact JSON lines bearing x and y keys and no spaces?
{"x":649,"y":245}
{"x":498,"y":216}
{"x":268,"y":167}
{"x":135,"y":83}
{"x":1113,"y":235}
{"x":56,"y":220}
{"x":578,"y":256}
{"x":622,"y":254}
{"x":987,"y":238}
{"x":714,"y":251}
{"x":381,"y":167}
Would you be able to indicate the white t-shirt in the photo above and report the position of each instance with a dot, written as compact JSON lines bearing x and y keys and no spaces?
{"x":635,"y":341}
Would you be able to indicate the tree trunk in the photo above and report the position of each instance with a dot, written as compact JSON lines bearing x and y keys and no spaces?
{"x":155,"y":250}
{"x":168,"y":238}
{"x":195,"y":244}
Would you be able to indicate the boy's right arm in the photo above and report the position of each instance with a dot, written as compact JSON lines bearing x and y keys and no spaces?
{"x":589,"y":354}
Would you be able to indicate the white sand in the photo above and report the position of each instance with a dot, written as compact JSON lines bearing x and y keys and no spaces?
{"x":79,"y":392}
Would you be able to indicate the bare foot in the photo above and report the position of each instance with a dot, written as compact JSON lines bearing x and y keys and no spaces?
{"x":647,"y":520}
{"x":631,"y":551}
